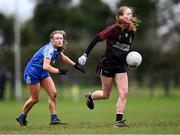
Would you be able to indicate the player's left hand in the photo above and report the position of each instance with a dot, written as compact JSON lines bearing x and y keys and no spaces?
{"x":82,"y":60}
{"x":79,"y":67}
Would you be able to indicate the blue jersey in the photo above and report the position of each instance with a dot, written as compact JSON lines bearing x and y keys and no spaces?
{"x":34,"y":68}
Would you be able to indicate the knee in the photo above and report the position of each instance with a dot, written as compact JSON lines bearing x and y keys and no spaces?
{"x":124,"y":93}
{"x":35,"y":100}
{"x":53,"y":95}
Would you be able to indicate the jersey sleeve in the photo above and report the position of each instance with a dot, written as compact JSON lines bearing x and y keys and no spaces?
{"x":48,"y":52}
{"x":92,"y":44}
{"x":107,"y":32}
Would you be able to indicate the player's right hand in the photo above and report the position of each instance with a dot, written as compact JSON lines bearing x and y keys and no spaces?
{"x":82,"y":60}
{"x":63,"y":71}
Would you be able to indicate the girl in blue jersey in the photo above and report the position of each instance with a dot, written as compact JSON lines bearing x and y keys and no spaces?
{"x":119,"y":37}
{"x":36,"y":75}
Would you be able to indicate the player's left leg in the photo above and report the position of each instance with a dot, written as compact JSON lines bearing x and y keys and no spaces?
{"x":49,"y":86}
{"x":121,"y":80}
{"x":106,"y":88}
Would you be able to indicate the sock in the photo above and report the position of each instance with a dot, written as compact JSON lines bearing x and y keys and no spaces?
{"x":119,"y":116}
{"x":22,"y":116}
{"x":90,"y":98}
{"x":53,"y":117}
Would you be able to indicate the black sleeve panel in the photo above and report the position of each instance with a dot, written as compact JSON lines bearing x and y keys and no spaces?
{"x":92,"y":44}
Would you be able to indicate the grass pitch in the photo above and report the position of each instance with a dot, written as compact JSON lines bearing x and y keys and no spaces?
{"x":145,"y":115}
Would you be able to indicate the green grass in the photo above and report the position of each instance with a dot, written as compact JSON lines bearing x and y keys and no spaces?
{"x":144,"y":114}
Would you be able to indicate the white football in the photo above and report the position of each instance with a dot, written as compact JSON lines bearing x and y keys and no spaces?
{"x":133,"y":59}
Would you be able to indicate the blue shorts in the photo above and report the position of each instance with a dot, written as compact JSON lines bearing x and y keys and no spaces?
{"x":32,"y":79}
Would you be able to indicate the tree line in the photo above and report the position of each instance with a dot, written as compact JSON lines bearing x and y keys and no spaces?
{"x":81,"y":23}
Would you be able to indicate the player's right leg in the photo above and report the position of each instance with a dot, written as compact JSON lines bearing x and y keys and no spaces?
{"x":34,"y":90}
{"x":100,"y":94}
{"x":89,"y":101}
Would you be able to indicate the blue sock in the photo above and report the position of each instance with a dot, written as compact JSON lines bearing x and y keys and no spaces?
{"x":53,"y":117}
{"x":22,"y":116}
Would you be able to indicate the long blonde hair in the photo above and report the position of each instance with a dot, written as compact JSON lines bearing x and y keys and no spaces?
{"x":65,"y":43}
{"x":134,"y":23}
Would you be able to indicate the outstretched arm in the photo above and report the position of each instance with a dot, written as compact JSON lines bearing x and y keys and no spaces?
{"x":92,"y":44}
{"x":69,"y":61}
{"x":82,"y":60}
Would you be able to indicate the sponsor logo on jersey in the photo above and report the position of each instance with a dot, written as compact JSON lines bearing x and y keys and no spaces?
{"x":121,"y":46}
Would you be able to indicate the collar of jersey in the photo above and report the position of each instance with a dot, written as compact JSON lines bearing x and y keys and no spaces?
{"x":53,"y":46}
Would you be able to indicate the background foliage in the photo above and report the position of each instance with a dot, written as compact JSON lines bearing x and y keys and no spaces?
{"x":82,"y":22}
